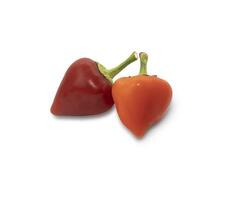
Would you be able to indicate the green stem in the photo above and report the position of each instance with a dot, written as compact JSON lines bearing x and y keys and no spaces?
{"x":143,"y":63}
{"x":109,"y":74}
{"x":114,"y":71}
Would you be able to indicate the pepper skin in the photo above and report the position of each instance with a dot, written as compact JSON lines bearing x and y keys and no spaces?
{"x":86,"y":88}
{"x":141,"y":100}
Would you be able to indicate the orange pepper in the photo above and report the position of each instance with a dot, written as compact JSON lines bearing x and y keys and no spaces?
{"x":141,"y":100}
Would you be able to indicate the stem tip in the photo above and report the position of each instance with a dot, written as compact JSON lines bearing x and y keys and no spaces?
{"x":143,"y":56}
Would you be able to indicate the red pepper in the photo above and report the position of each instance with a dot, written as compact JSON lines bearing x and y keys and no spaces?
{"x":86,"y":88}
{"x":141,"y":100}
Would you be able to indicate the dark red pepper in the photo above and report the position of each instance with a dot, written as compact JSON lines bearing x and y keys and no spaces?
{"x":86,"y":88}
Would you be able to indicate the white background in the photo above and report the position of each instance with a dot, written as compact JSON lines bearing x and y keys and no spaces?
{"x":196,"y":152}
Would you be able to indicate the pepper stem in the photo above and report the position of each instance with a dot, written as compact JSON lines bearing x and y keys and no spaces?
{"x":143,"y":63}
{"x":114,"y":71}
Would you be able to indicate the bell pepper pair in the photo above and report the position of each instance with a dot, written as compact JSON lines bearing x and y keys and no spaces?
{"x":87,"y":89}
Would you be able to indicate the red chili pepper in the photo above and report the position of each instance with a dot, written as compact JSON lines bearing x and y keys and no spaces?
{"x":86,"y":88}
{"x":141,"y":100}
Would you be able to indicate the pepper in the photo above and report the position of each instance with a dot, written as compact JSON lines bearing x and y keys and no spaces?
{"x":141,"y":100}
{"x":86,"y":88}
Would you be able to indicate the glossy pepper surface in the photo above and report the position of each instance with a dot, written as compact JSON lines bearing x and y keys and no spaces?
{"x":141,"y":100}
{"x":86,"y":88}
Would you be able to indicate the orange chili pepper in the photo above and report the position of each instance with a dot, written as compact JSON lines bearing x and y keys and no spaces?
{"x":141,"y":100}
